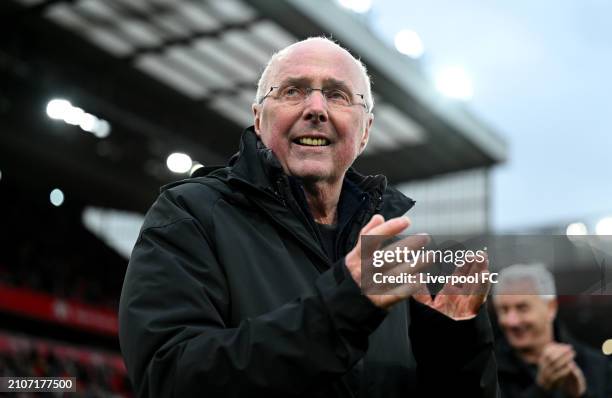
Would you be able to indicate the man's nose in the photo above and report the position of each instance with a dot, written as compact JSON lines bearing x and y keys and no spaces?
{"x":315,"y":107}
{"x":511,"y":319}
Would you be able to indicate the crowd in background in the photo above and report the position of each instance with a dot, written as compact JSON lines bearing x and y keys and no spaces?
{"x":99,"y":377}
{"x":47,"y":249}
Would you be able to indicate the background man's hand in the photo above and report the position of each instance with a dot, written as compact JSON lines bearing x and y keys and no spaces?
{"x":557,"y":369}
{"x":574,"y":384}
{"x":378,"y":227}
{"x":459,"y":301}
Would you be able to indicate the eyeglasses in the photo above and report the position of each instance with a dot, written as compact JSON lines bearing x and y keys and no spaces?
{"x":294,"y":95}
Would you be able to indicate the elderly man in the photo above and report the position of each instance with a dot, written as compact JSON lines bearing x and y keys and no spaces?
{"x":246,"y":281}
{"x":535,"y":360}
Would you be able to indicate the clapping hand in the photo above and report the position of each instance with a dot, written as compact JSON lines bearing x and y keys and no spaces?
{"x":459,"y":301}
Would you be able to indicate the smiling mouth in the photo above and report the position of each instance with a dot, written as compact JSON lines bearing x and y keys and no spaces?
{"x":307,"y":141}
{"x":518,"y":332}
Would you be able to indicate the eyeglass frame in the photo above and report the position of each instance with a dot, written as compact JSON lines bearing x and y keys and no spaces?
{"x":309,"y":91}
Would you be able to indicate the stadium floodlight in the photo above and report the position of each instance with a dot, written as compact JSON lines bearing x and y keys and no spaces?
{"x":61,"y":109}
{"x":454,"y":82}
{"x":179,"y":162}
{"x":88,"y":122}
{"x":74,"y":115}
{"x":102,"y":128}
{"x":576,"y":228}
{"x":57,"y":108}
{"x":195,"y":167}
{"x":604,"y":226}
{"x":408,"y":42}
{"x":358,"y":6}
{"x":56,"y":197}
{"x":606,"y":347}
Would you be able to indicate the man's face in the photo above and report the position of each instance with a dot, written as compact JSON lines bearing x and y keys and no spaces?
{"x":526,"y":320}
{"x":281,"y":126}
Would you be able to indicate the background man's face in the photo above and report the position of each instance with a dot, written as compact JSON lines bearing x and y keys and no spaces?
{"x":280,"y":126}
{"x":526,"y":320}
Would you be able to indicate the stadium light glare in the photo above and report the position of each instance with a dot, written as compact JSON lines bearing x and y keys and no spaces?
{"x":606,"y":347}
{"x":576,"y":228}
{"x":454,"y":82}
{"x":358,"y":6}
{"x":74,"y":115}
{"x":179,"y":163}
{"x":408,"y":42}
{"x":61,"y":109}
{"x":604,"y":226}
{"x":57,"y":108}
{"x":102,"y":128}
{"x":195,"y":167}
{"x":56,"y":197}
{"x":88,"y":122}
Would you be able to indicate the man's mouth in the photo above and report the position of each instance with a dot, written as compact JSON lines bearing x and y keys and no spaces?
{"x":517,"y":332}
{"x":308,"y":141}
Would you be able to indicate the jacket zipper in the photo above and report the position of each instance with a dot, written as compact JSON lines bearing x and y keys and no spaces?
{"x":278,"y":197}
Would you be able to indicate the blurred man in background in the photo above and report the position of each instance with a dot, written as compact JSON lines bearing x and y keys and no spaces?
{"x":536,"y":357}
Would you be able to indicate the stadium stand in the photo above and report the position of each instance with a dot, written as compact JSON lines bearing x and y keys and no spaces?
{"x":98,"y":374}
{"x":59,"y":292}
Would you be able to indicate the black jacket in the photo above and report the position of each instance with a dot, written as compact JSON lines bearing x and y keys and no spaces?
{"x":517,"y":378}
{"x":229,"y":293}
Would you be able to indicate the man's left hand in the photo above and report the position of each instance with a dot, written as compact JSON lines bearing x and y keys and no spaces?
{"x":459,"y":301}
{"x":574,"y":383}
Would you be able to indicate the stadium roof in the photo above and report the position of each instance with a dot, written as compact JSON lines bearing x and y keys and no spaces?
{"x":174,"y":75}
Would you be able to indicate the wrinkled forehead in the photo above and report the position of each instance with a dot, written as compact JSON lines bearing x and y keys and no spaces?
{"x":317,"y":64}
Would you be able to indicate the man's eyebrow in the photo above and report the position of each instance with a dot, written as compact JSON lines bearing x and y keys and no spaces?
{"x":295,"y":81}
{"x":327,"y":83}
{"x":337,"y":84}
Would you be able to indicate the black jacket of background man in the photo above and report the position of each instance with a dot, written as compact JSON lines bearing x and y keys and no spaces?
{"x":517,"y":379}
{"x":229,"y":293}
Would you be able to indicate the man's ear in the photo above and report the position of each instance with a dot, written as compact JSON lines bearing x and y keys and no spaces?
{"x":552,"y":306}
{"x":256,"y":108}
{"x":366,"y":134}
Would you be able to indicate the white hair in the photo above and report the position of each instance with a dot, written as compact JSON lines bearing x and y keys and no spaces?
{"x":536,"y":273}
{"x":262,"y":84}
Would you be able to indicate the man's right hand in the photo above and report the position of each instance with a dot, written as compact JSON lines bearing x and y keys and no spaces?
{"x":385,"y":229}
{"x":557,"y":369}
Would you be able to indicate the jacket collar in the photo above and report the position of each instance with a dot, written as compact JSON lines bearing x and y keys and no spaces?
{"x":256,"y":165}
{"x":261,"y":182}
